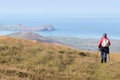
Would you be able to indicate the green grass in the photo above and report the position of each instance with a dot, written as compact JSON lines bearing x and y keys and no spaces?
{"x":27,"y":60}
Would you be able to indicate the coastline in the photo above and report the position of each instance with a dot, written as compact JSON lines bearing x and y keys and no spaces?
{"x":82,"y":43}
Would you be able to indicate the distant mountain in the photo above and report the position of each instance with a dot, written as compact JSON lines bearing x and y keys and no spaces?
{"x":32,"y":36}
{"x":21,"y":27}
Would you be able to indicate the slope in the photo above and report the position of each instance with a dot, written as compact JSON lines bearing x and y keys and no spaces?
{"x":32,"y":36}
{"x":27,"y":60}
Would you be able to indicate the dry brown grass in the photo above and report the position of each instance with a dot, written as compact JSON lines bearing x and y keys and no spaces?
{"x":28,"y":60}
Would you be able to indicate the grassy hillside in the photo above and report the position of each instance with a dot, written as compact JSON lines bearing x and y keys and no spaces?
{"x":31,"y":36}
{"x":27,"y":60}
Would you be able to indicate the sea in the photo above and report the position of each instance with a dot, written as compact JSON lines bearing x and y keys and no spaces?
{"x":71,"y":33}
{"x":72,"y":26}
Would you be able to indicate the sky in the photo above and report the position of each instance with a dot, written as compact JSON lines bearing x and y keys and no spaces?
{"x":47,"y":10}
{"x":68,"y":8}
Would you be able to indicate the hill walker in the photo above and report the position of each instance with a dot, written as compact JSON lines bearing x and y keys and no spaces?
{"x":103,"y":46}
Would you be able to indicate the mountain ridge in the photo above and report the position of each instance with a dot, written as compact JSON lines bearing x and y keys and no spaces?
{"x":32,"y":36}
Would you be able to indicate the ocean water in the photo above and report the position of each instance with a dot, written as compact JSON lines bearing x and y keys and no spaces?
{"x":71,"y":33}
{"x":76,"y":27}
{"x":86,"y":28}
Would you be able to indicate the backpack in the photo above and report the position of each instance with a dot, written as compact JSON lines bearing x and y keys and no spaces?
{"x":105,"y":43}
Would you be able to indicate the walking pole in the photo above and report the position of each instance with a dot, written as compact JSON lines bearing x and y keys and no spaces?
{"x":109,"y":56}
{"x":97,"y":54}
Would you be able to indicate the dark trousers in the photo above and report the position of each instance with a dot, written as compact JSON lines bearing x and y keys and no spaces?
{"x":104,"y":52}
{"x":103,"y":57}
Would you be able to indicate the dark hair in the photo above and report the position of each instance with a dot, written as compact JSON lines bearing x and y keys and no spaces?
{"x":105,"y":34}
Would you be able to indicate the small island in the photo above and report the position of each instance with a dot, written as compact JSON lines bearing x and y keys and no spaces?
{"x":20,"y":27}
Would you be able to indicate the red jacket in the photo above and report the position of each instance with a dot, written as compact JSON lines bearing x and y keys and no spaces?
{"x":100,"y":42}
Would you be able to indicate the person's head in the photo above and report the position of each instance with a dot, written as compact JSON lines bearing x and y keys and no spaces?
{"x":105,"y":34}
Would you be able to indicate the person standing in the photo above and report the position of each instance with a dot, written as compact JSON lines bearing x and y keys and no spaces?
{"x":103,"y":46}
